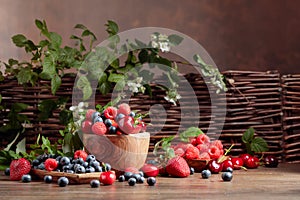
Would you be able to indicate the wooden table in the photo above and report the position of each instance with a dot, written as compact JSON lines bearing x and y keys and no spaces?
{"x":263,"y":183}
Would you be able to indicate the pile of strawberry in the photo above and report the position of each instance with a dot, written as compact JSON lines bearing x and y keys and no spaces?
{"x":200,"y":147}
{"x":113,"y":120}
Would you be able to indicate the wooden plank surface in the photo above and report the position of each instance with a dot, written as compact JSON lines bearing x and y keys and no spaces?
{"x":263,"y":183}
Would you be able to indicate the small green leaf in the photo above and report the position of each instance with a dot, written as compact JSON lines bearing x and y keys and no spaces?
{"x":24,"y":76}
{"x":18,"y":107}
{"x":115,"y":77}
{"x":175,"y":39}
{"x":248,"y":135}
{"x":112,"y":27}
{"x":259,"y":145}
{"x":21,"y":146}
{"x":55,"y":83}
{"x":143,"y":56}
{"x":190,"y":132}
{"x":80,"y":26}
{"x":39,"y":24}
{"x":104,"y":88}
{"x":84,"y":85}
{"x":56,"y":40}
{"x":19,"y":40}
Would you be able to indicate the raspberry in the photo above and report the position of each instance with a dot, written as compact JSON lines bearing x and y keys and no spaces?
{"x":80,"y":154}
{"x":202,"y":139}
{"x":204,"y":156}
{"x":218,"y":144}
{"x":99,"y":128}
{"x":89,"y":114}
{"x":192,"y":152}
{"x":124,"y":108}
{"x":179,"y":152}
{"x":51,"y":164}
{"x":203,"y":148}
{"x":86,"y":126}
{"x":110,"y":112}
{"x":214,"y":152}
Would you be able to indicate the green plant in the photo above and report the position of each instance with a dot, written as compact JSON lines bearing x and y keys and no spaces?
{"x":253,"y":143}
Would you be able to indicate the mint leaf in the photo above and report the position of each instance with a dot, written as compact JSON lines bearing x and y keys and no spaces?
{"x":190,"y":132}
{"x":248,"y":135}
{"x":259,"y":145}
{"x":175,"y":39}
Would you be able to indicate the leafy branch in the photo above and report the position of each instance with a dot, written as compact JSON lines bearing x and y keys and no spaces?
{"x":254,"y":144}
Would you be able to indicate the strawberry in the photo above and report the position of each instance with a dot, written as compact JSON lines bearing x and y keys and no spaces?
{"x":89,"y":114}
{"x":150,"y":170}
{"x":80,"y":154}
{"x":99,"y":128}
{"x":124,"y":108}
{"x":178,"y":167}
{"x":86,"y":126}
{"x":110,"y":112}
{"x":18,"y":168}
{"x":50,"y":164}
{"x":191,"y":152}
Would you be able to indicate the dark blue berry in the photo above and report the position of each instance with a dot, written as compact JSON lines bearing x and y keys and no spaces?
{"x":192,"y":171}
{"x":94,"y":163}
{"x":63,"y":181}
{"x":120,"y":116}
{"x":90,"y":169}
{"x":66,"y":167}
{"x":107,"y":167}
{"x":132,"y":181}
{"x":26,"y":178}
{"x":141,"y":180}
{"x":35,"y":162}
{"x":151,"y":181}
{"x":98,"y":168}
{"x":48,"y":179}
{"x":70,"y":171}
{"x":112,"y":130}
{"x":128,"y":175}
{"x":97,"y":119}
{"x":95,"y":183}
{"x":229,"y":169}
{"x":41,"y":166}
{"x":108,"y":122}
{"x":95,"y":115}
{"x":137,"y":177}
{"x":132,"y":114}
{"x":85,"y":164}
{"x":80,"y":170}
{"x":90,"y":158}
{"x":141,"y":173}
{"x":227,"y":176}
{"x":7,"y":171}
{"x":64,"y":161}
{"x":58,"y":158}
{"x":121,"y":178}
{"x":206,"y":174}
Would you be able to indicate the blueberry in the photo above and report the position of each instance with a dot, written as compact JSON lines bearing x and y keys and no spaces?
{"x":90,"y":158}
{"x":132,"y":181}
{"x":112,"y":130}
{"x":80,"y":170}
{"x":90,"y":169}
{"x":107,"y":167}
{"x":41,"y":166}
{"x":70,"y":171}
{"x":76,"y":166}
{"x":7,"y":171}
{"x":48,"y":179}
{"x":108,"y":122}
{"x":205,"y":174}
{"x":151,"y":181}
{"x":120,"y":116}
{"x":98,"y":168}
{"x":80,"y":161}
{"x":137,"y":177}
{"x":58,"y":158}
{"x":141,"y":180}
{"x":95,"y":115}
{"x":128,"y":175}
{"x":35,"y":162}
{"x":192,"y":171}
{"x":63,"y":181}
{"x":85,"y":164}
{"x":94,"y":183}
{"x":229,"y":169}
{"x":227,"y":176}
{"x":97,"y":119}
{"x":132,"y":114}
{"x":66,"y":167}
{"x":64,"y":161}
{"x":26,"y":178}
{"x":141,"y":173}
{"x":121,"y":178}
{"x":94,"y":163}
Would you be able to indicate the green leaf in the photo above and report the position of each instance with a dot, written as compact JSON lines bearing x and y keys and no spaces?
{"x":19,"y":40}
{"x":18,"y":107}
{"x":104,"y":88}
{"x":112,"y":27}
{"x":39,"y":24}
{"x":248,"y":135}
{"x":21,"y":146}
{"x":56,"y":40}
{"x":199,"y":60}
{"x":115,"y":77}
{"x":67,"y":145}
{"x":140,"y":44}
{"x":55,"y":83}
{"x":48,"y":67}
{"x":46,"y":108}
{"x":7,"y":148}
{"x":80,"y":26}
{"x":175,"y":39}
{"x":190,"y":132}
{"x":24,"y":75}
{"x":259,"y":145}
{"x":84,"y":85}
{"x":143,"y":56}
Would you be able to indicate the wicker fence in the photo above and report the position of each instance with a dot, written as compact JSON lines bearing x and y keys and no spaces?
{"x":266,"y":101}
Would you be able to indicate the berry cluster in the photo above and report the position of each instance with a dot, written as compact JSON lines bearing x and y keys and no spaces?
{"x":113,"y":120}
{"x":200,"y":147}
{"x":133,"y":176}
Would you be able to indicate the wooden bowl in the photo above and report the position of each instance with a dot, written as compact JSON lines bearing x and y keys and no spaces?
{"x":197,"y":164}
{"x":120,"y":151}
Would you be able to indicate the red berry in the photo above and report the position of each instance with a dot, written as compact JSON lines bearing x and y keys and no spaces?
{"x":80,"y":154}
{"x":178,"y":167}
{"x":214,"y":166}
{"x":226,"y":164}
{"x":110,"y":112}
{"x":252,"y":162}
{"x":86,"y":126}
{"x":107,"y":178}
{"x":18,"y":168}
{"x":203,"y":148}
{"x":51,"y":164}
{"x":150,"y":170}
{"x":126,"y":124}
{"x":204,"y":156}
{"x":202,"y":139}
{"x":214,"y":152}
{"x":124,"y":108}
{"x":99,"y":128}
{"x":237,"y":162}
{"x":245,"y":157}
{"x":192,"y":152}
{"x":270,"y":161}
{"x":179,"y":152}
{"x":89,"y":114}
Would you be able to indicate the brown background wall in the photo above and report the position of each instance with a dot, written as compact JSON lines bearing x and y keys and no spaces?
{"x":238,"y":34}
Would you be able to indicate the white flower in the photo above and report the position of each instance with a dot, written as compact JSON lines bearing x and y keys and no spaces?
{"x":81,"y":105}
{"x":73,"y":108}
{"x":164,"y":46}
{"x":154,"y":44}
